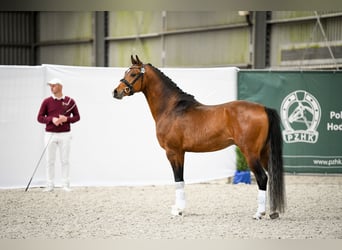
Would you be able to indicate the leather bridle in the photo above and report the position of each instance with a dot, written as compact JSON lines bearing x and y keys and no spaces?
{"x":129,"y":85}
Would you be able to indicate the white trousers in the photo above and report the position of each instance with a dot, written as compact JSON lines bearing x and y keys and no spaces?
{"x":62,"y":142}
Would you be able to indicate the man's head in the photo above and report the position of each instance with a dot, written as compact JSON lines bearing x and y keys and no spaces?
{"x":56,"y":87}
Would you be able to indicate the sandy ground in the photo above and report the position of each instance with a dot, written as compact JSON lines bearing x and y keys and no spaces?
{"x":215,"y":210}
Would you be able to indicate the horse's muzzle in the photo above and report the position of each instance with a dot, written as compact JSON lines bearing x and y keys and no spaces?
{"x":117,"y":95}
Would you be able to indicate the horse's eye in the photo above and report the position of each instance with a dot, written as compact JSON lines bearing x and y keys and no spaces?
{"x":133,"y":75}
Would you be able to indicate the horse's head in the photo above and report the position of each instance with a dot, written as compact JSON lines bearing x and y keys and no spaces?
{"x":128,"y":85}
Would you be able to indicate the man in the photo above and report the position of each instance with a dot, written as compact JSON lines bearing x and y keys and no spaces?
{"x":58,"y":112}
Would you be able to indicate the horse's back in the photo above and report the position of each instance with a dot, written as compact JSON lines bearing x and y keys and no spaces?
{"x":241,"y":111}
{"x":246,"y":105}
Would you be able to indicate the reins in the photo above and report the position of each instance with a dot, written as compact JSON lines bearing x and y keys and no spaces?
{"x":129,"y":85}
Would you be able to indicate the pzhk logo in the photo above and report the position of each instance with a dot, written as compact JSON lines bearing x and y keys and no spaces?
{"x":300,"y":113}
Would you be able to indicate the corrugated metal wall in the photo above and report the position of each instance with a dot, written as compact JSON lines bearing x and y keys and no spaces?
{"x":134,"y":33}
{"x":170,"y":38}
{"x":206,"y":39}
{"x":65,"y":38}
{"x":179,"y":39}
{"x":17,"y":38}
{"x":298,"y":34}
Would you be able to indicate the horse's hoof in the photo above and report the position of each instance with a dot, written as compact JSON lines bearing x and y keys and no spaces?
{"x":258,"y":216}
{"x":274,"y":215}
{"x":175,"y":211}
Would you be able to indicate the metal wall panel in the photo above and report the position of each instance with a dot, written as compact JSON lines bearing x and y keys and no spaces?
{"x":168,"y":38}
{"x":180,"y":20}
{"x":16,"y":38}
{"x":134,"y":23}
{"x":66,"y":38}
{"x":134,"y":32}
{"x":299,"y":33}
{"x":288,"y":34}
{"x":333,"y":28}
{"x":77,"y":54}
{"x":205,"y":49}
{"x":283,"y":15}
{"x":56,"y":26}
{"x":179,"y":39}
{"x":148,"y":51}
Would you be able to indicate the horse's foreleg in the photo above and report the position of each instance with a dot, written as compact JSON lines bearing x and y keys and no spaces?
{"x":177,"y":161}
{"x":179,"y":206}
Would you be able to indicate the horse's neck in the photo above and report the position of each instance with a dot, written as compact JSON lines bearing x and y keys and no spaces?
{"x":157,"y":100}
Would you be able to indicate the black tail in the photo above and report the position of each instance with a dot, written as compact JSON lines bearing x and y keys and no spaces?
{"x":275,"y":163}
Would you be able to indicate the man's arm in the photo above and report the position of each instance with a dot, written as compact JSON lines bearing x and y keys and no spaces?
{"x":43,"y":115}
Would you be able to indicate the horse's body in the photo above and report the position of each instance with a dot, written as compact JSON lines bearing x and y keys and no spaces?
{"x":185,"y":125}
{"x":210,"y":128}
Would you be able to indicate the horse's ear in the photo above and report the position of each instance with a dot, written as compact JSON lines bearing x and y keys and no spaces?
{"x":133,"y":60}
{"x":138,"y":60}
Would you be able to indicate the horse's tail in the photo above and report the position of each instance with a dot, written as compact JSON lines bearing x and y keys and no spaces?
{"x":275,"y":163}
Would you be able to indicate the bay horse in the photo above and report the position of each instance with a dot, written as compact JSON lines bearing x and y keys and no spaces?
{"x":185,"y":125}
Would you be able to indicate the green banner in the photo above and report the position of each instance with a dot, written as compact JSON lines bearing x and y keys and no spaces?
{"x":310,"y":106}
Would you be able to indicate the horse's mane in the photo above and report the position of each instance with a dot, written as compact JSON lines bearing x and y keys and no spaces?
{"x":184,"y":100}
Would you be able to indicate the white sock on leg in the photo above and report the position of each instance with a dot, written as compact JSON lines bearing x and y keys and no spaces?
{"x":261,"y":205}
{"x":179,"y":206}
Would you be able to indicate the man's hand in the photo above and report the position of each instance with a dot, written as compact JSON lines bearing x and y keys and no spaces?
{"x":55,"y":121}
{"x":60,"y":120}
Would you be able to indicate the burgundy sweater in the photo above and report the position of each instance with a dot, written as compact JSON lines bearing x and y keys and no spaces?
{"x":52,"y":107}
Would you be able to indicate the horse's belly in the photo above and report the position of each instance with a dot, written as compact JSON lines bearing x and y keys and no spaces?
{"x":207,"y":144}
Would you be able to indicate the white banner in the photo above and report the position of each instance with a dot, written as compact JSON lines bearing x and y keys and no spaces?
{"x":114,"y":143}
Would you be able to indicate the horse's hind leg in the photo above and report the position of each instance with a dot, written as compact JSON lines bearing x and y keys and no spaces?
{"x":261,"y":178}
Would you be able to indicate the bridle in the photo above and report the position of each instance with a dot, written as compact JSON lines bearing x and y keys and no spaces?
{"x":129,"y":85}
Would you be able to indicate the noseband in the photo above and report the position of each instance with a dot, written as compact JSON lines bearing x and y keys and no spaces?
{"x":129,"y":85}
